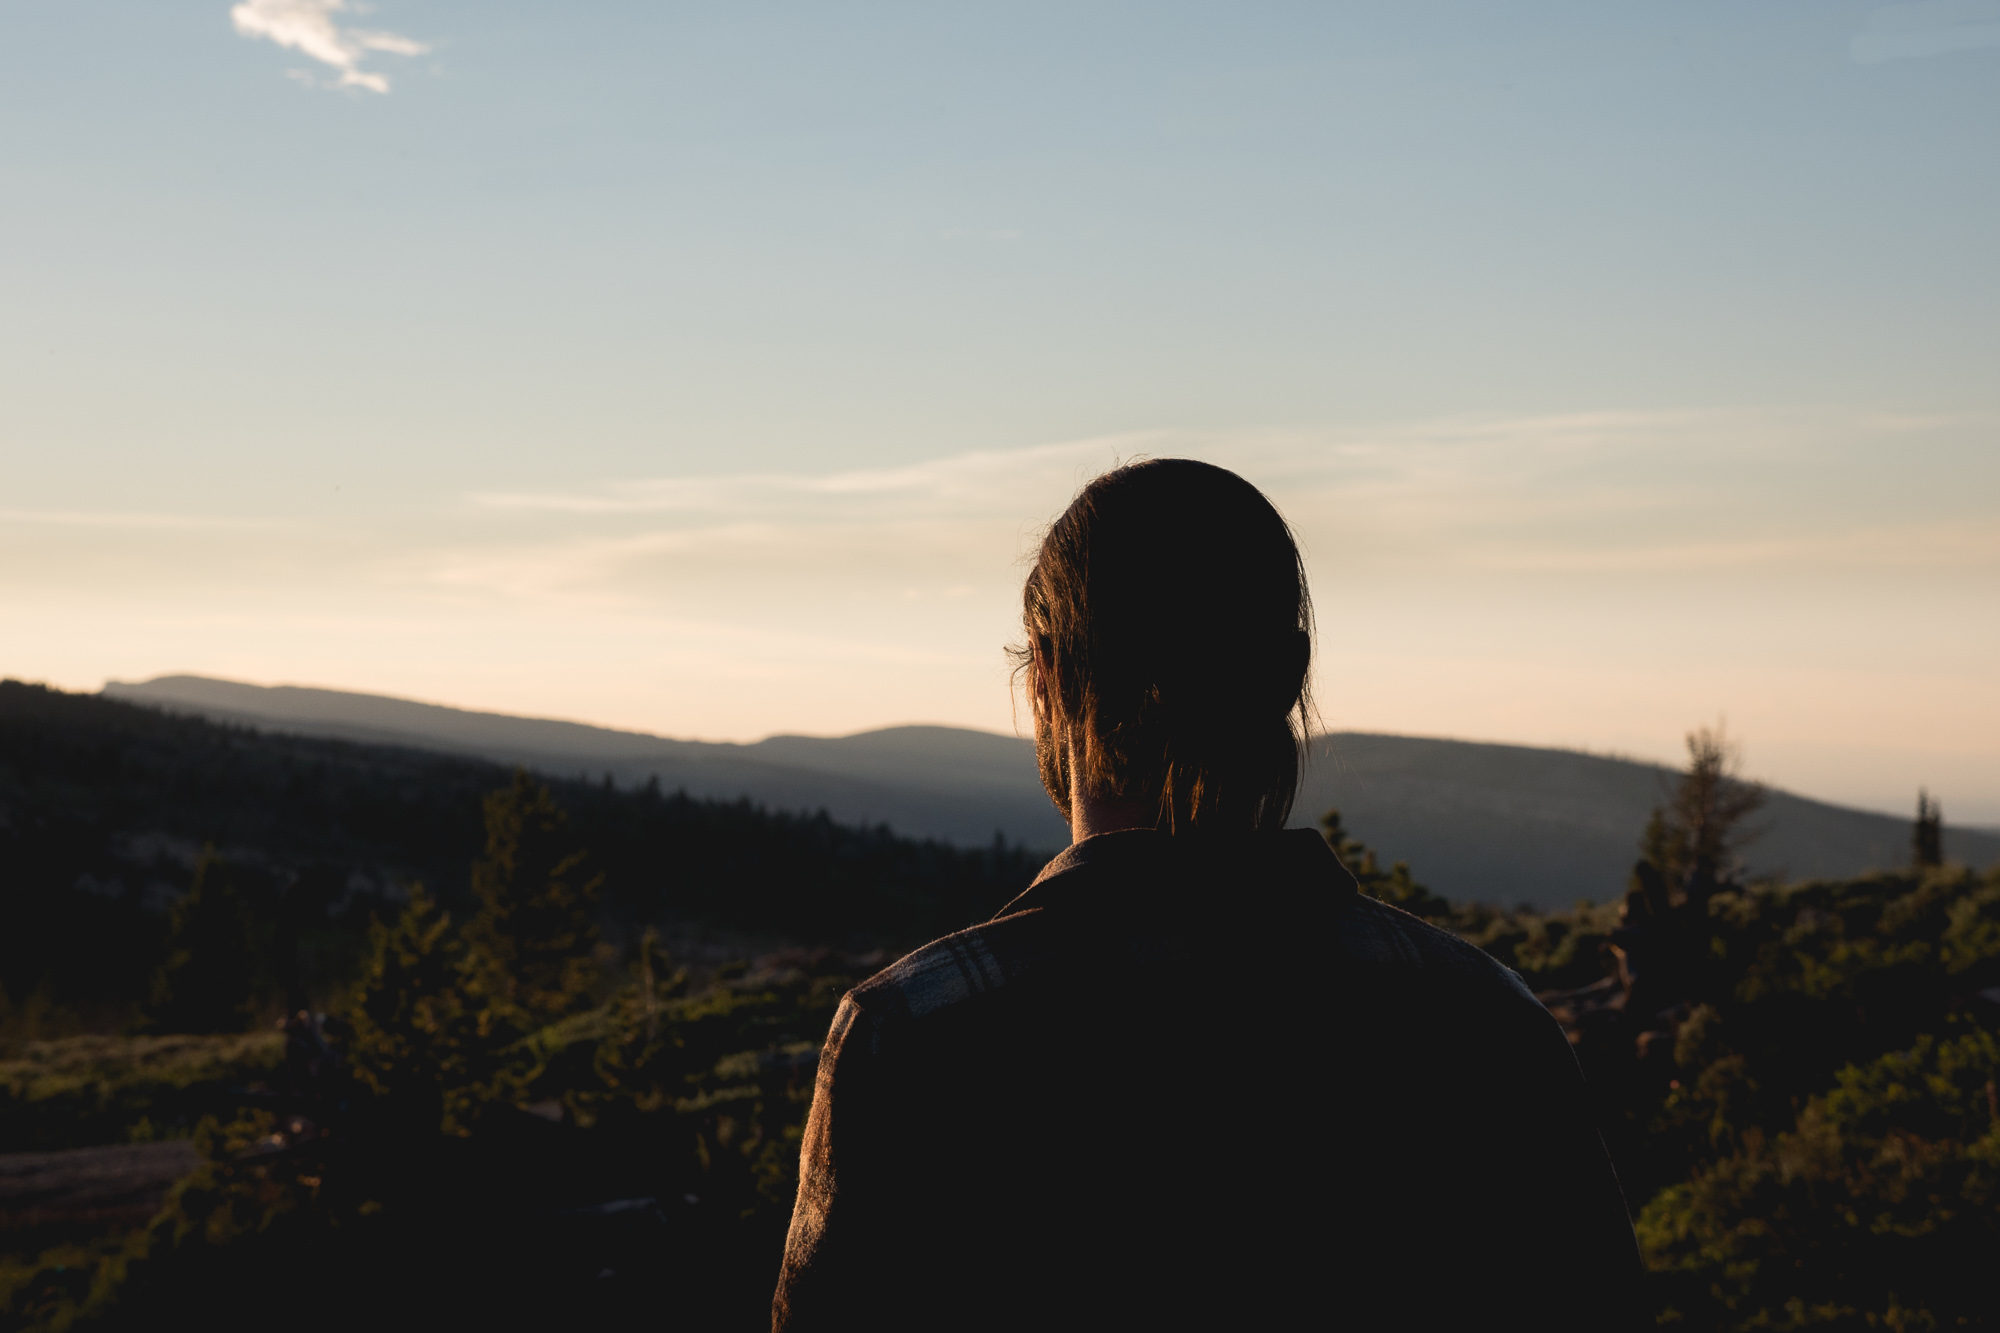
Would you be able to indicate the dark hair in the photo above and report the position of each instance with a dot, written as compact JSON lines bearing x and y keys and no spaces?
{"x":1168,"y":616}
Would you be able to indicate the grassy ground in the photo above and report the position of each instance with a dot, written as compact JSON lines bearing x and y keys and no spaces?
{"x":82,"y":1091}
{"x":76,"y":1092}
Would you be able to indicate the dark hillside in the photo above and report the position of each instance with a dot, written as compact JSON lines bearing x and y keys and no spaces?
{"x":927,"y":782}
{"x":106,"y":807}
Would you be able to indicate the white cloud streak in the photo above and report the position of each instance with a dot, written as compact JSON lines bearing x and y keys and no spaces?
{"x":1460,"y":477}
{"x":1584,"y":496}
{"x":310,"y":28}
{"x":983,"y":480}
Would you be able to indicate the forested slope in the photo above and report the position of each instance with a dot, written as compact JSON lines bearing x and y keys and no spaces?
{"x":107,"y":810}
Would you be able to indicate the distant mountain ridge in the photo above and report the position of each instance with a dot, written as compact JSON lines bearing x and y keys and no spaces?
{"x":1504,"y":823}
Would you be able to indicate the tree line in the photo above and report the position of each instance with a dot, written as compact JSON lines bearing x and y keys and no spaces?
{"x":127,"y":834}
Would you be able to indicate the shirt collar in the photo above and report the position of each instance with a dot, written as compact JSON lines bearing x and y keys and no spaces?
{"x":1145,"y":857}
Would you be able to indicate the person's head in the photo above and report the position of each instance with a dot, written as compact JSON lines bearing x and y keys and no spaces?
{"x":1169,"y":647}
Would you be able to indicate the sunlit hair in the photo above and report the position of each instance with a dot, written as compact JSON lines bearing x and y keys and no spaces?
{"x":1168,"y":618}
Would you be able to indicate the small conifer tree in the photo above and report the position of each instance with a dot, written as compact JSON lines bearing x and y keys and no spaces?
{"x":410,"y":1042}
{"x":1696,"y":840}
{"x":527,"y":960}
{"x":444,"y":1020}
{"x":1927,"y":836}
{"x":208,"y":981}
{"x":637,"y":1059}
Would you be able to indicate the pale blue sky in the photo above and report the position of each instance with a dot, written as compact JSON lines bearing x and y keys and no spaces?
{"x":1653,"y":346}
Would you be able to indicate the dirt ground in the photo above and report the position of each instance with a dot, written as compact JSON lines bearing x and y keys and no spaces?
{"x":88,"y":1189}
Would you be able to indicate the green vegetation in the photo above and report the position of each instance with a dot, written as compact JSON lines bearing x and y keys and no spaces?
{"x":683,"y":1109}
{"x":1826,"y":1148}
{"x":76,"y":1091}
{"x":1797,"y":1081}
{"x":537,"y":1114}
{"x":1879,"y":1206}
{"x":531,"y":1092}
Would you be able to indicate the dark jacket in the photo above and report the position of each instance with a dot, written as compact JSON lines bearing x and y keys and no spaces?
{"x":1197,"y":1082}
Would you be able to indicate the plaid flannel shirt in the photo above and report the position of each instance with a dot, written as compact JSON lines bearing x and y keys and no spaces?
{"x":1189,"y":1081}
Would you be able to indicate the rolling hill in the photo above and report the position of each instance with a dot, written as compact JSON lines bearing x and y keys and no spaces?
{"x":1504,"y":823}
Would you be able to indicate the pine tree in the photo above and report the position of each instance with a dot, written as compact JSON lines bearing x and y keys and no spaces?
{"x":210,"y":977}
{"x":410,"y":1041}
{"x":528,"y":960}
{"x":1927,"y":837}
{"x":638,"y":1058}
{"x":444,"y":1021}
{"x":1695,"y":841}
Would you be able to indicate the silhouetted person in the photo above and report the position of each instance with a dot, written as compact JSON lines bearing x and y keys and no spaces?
{"x":1191,"y":1078}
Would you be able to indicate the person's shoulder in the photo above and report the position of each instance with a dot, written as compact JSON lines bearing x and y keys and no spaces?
{"x":1380,"y":935}
{"x":931,"y":982}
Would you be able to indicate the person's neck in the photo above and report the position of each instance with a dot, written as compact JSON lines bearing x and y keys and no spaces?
{"x":1090,"y":816}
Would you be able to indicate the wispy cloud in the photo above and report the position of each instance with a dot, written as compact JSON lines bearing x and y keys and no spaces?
{"x":310,"y":27}
{"x":984,"y":480}
{"x":1449,"y":469}
{"x":1926,"y":28}
{"x":1475,"y":497}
